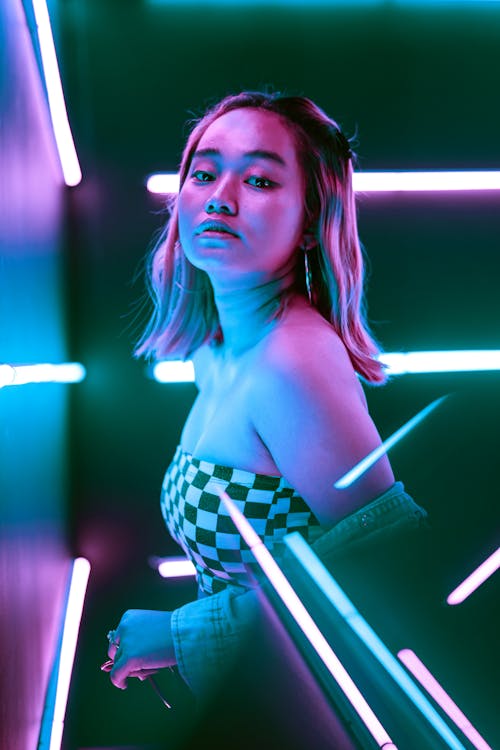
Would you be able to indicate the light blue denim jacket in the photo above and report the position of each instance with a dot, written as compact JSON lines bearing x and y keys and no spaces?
{"x":208,"y":632}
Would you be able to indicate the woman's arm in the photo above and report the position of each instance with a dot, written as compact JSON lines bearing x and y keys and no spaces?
{"x":309,"y":411}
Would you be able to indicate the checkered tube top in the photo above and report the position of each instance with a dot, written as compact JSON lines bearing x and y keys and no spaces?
{"x":197,"y":519}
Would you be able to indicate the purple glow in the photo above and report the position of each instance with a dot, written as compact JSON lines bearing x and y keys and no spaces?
{"x":57,"y":106}
{"x":379,"y":182}
{"x":366,"y":463}
{"x":74,"y":609}
{"x":175,"y":567}
{"x":475,"y":579}
{"x":302,"y":617}
{"x":429,"y":682}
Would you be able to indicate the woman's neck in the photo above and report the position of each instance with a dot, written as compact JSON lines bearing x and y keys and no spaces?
{"x":248,"y":313}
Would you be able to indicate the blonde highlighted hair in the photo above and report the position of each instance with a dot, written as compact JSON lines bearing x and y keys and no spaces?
{"x":185,"y":315}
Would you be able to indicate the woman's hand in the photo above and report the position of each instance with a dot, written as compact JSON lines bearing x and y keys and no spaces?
{"x":140,"y":645}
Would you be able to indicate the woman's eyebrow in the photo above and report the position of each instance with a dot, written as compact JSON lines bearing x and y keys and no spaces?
{"x":256,"y":154}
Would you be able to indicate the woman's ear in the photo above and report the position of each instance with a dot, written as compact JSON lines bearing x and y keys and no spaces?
{"x":309,"y":240}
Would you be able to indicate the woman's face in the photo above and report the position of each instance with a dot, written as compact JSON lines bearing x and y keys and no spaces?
{"x":245,"y":175}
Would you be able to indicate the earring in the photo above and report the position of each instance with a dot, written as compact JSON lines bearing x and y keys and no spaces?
{"x":308,"y":277}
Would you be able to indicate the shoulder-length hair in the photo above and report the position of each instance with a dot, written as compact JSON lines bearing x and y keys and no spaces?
{"x":185,"y":315}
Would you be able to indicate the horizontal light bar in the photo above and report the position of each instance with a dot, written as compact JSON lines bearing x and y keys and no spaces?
{"x":366,"y":463}
{"x":304,"y":620}
{"x":55,"y":706}
{"x":69,"y":372}
{"x":175,"y":567}
{"x":163,"y":183}
{"x":429,"y":682}
{"x":475,"y":579}
{"x":472,"y":360}
{"x":57,"y":106}
{"x":344,"y":606}
{"x":174,"y":371}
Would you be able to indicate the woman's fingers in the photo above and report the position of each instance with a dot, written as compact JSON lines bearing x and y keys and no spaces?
{"x":114,"y":642}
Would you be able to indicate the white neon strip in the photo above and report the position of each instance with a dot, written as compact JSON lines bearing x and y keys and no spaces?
{"x":175,"y":371}
{"x":57,"y":106}
{"x":475,"y":579}
{"x":378,"y":182}
{"x":74,"y":609}
{"x":367,"y":462}
{"x":176,"y":567}
{"x":344,"y":606}
{"x":429,"y":682}
{"x":70,"y":372}
{"x":307,"y":624}
{"x":472,"y":360}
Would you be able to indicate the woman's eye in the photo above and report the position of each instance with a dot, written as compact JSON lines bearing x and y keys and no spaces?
{"x":261,"y":182}
{"x":201,"y":176}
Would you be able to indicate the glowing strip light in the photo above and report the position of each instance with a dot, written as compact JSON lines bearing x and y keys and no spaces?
{"x":475,"y":579}
{"x":74,"y":608}
{"x":162,"y":183}
{"x":334,"y":593}
{"x":70,"y":372}
{"x":366,"y":463}
{"x":398,"y":363}
{"x":307,"y":624}
{"x":57,"y":106}
{"x":472,"y":360}
{"x":429,"y":682}
{"x":175,"y":371}
{"x":176,"y":567}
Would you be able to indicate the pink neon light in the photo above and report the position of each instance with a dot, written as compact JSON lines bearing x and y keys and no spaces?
{"x":307,"y":624}
{"x":380,"y":182}
{"x":74,"y":609}
{"x":429,"y":682}
{"x":176,"y":567}
{"x":476,"y":578}
{"x":60,"y":124}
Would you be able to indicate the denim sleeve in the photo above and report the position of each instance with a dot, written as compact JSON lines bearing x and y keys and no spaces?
{"x":208,"y":633}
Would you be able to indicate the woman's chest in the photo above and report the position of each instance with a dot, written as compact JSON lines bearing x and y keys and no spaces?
{"x":220,"y":428}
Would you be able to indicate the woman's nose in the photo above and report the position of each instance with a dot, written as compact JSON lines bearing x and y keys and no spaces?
{"x":221,"y":203}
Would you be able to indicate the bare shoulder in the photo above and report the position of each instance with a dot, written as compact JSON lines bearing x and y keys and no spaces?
{"x":308,"y":353}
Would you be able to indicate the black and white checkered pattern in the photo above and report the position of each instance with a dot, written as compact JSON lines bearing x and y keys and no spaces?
{"x":199,"y":522}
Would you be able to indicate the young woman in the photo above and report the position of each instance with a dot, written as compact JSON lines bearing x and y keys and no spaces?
{"x":258,"y":278}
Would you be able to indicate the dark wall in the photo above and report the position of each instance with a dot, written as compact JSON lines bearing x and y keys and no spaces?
{"x":34,"y":560}
{"x":418,"y":85}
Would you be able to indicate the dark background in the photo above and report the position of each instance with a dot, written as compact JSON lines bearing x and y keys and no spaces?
{"x":419,"y":85}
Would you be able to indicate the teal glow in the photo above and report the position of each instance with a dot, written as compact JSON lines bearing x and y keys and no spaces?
{"x":333,"y":592}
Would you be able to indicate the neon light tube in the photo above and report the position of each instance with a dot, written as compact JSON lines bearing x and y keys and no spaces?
{"x":175,"y":567}
{"x":70,"y":372}
{"x":475,"y":579}
{"x":57,"y":106}
{"x":335,"y":594}
{"x":400,"y":363}
{"x":366,"y":463}
{"x":175,"y":371}
{"x":73,"y":615}
{"x":378,"y":182}
{"x":429,"y":682}
{"x":302,"y":617}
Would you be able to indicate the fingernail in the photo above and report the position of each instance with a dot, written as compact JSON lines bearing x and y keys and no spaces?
{"x":107,"y":666}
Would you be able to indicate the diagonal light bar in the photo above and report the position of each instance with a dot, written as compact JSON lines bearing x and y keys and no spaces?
{"x":475,"y":579}
{"x":429,"y":682}
{"x":52,"y":727}
{"x":69,"y":372}
{"x":302,"y":617}
{"x":472,"y":360}
{"x":163,"y":183}
{"x":57,"y":106}
{"x":344,"y":606}
{"x":366,"y":463}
